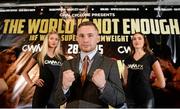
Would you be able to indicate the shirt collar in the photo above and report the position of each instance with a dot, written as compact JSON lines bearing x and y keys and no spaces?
{"x":89,"y":54}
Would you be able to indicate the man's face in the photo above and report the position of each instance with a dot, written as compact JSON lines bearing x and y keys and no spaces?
{"x":164,"y":64}
{"x":87,"y":38}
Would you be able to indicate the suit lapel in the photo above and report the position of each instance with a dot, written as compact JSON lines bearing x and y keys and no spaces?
{"x":96,"y":64}
{"x":75,"y":65}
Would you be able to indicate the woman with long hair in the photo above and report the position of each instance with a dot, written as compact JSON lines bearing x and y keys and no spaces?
{"x":50,"y":60}
{"x":138,"y":67}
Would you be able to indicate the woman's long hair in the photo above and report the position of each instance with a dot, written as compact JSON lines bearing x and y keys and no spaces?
{"x":146,"y":47}
{"x":44,"y":50}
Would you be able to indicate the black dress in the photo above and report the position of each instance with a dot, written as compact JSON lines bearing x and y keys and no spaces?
{"x":49,"y":72}
{"x":139,"y":92}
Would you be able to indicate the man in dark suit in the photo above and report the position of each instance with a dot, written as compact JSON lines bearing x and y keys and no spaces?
{"x":102,"y":86}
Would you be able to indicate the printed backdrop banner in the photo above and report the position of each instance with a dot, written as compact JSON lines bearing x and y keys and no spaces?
{"x":24,"y":28}
{"x":116,"y":24}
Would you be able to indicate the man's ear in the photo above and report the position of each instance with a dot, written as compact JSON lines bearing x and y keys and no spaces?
{"x":76,"y":37}
{"x":98,"y":39}
{"x":169,"y":63}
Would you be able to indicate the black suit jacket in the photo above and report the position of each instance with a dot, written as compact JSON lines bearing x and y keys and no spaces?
{"x":89,"y":95}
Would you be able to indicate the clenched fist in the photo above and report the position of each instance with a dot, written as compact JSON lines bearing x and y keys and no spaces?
{"x":68,"y":79}
{"x":98,"y":78}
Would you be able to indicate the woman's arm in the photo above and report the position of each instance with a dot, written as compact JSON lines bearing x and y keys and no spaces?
{"x":26,"y":70}
{"x":125,"y":75}
{"x":160,"y":80}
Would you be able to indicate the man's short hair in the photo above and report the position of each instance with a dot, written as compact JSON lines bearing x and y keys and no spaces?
{"x":87,"y":23}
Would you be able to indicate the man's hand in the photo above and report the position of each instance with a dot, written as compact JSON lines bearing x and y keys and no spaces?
{"x":68,"y":79}
{"x":98,"y":78}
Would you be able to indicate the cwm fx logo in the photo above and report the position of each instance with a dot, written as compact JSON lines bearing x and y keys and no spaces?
{"x":32,"y":48}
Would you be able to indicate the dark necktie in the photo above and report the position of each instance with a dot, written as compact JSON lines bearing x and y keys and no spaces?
{"x":84,"y":69}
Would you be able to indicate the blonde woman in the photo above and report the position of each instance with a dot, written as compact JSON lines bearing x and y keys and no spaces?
{"x":138,"y":67}
{"x":50,"y":60}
